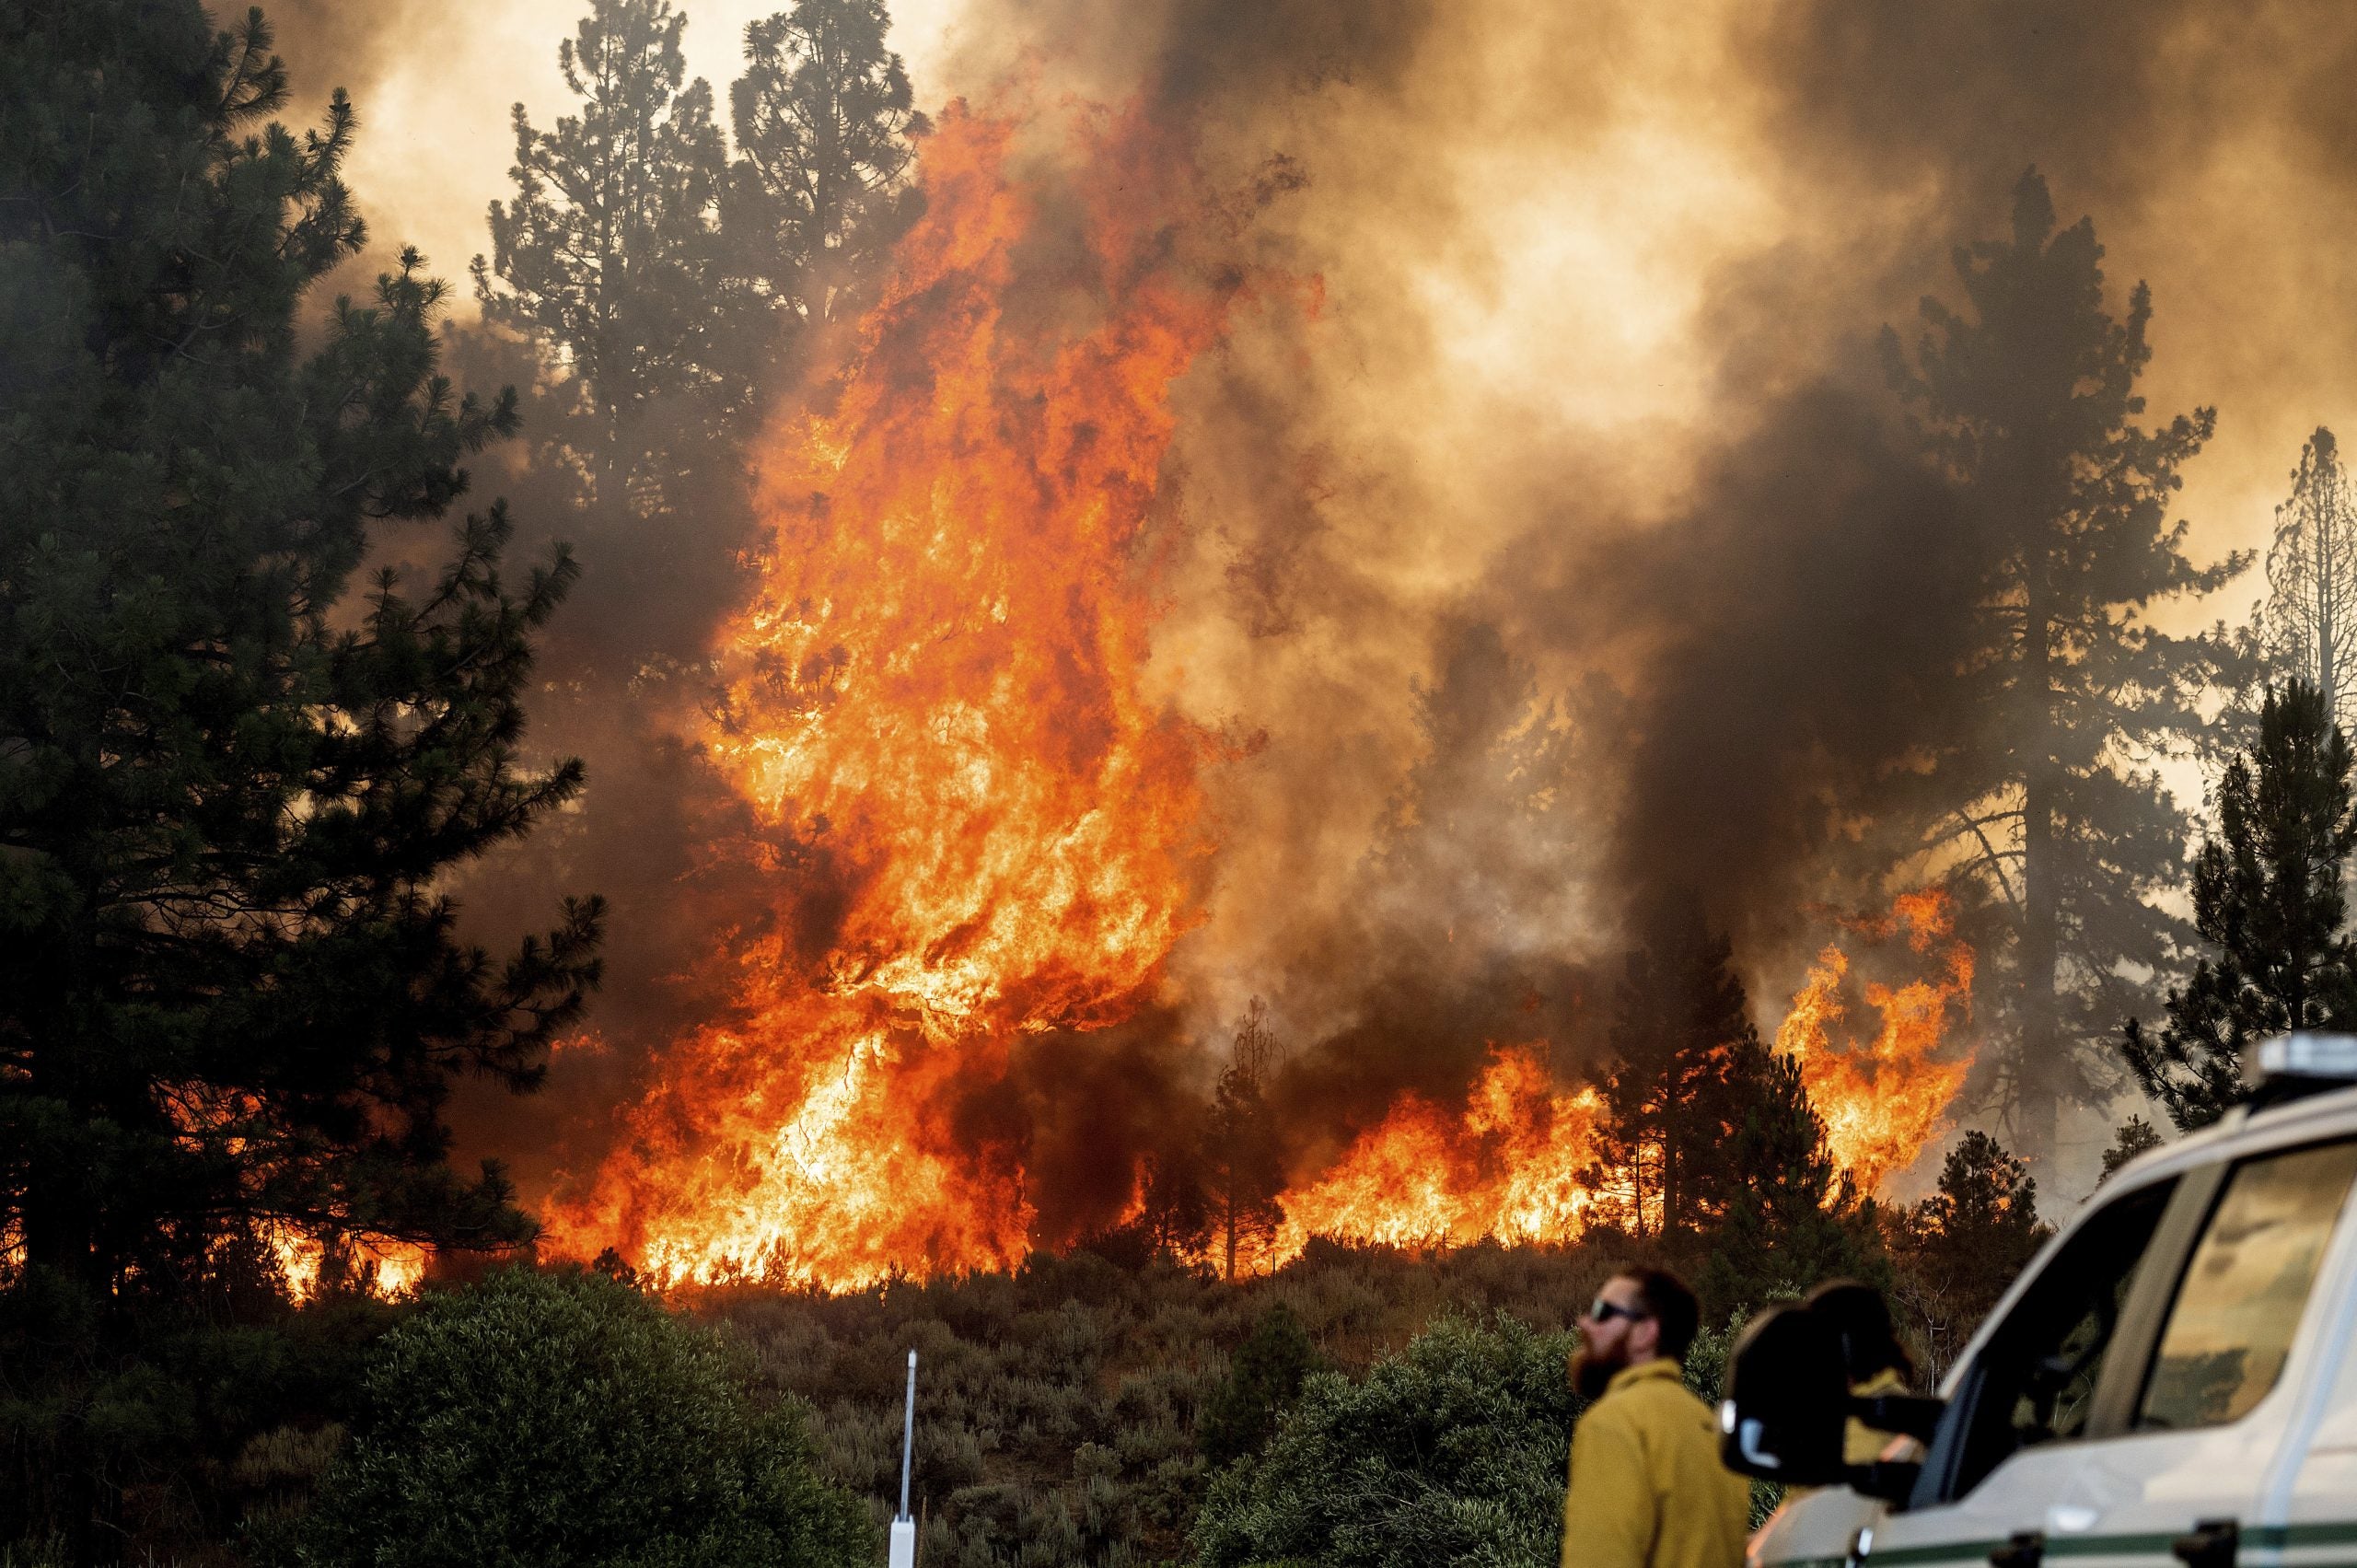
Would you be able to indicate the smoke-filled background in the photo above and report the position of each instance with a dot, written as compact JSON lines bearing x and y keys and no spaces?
{"x":1571,"y":549}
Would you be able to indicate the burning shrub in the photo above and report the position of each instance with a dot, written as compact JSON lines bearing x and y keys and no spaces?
{"x":1450,"y":1452}
{"x":565,"y":1419}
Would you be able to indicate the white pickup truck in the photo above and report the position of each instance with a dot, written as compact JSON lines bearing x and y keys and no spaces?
{"x":2172,"y":1380}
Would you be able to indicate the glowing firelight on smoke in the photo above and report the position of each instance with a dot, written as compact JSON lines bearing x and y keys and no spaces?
{"x":938,"y":686}
{"x":1885,"y":1099}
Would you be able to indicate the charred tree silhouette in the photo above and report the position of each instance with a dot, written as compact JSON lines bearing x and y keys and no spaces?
{"x":2027,"y":402}
{"x":1243,"y":1160}
{"x":2268,"y":895}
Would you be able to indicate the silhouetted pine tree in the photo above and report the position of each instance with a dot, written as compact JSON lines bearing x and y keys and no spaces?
{"x":231,"y":998}
{"x":2131,"y":1138}
{"x":1684,"y":1050}
{"x":1792,"y":1219}
{"x":1243,"y":1156}
{"x":2309,"y":622}
{"x":1958,"y":1249}
{"x":609,"y":256}
{"x":825,"y":136}
{"x":2028,"y":402}
{"x":1263,"y":1379}
{"x":2268,"y":897}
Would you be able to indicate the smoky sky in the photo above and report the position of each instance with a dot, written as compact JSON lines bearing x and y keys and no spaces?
{"x":1572,"y":547}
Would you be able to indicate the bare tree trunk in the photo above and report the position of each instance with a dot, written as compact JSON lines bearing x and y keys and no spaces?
{"x":2039,"y":1074}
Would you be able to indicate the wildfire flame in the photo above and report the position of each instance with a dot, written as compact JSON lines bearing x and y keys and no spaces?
{"x":936,"y":701}
{"x":938,"y":690}
{"x":378,"y":1263}
{"x":1886,"y":1098}
{"x":1505,"y":1167}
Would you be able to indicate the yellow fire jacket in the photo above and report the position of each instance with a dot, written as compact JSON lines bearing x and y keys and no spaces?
{"x":1647,"y":1490}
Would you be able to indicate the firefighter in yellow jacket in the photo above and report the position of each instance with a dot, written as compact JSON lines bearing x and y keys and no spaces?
{"x":1647,"y":1490}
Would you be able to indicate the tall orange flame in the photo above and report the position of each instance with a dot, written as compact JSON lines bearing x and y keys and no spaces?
{"x":1886,"y":1098}
{"x":938,"y":690}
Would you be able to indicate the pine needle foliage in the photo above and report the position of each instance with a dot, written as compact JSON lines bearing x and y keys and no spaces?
{"x":233,"y":994}
{"x":2269,"y":901}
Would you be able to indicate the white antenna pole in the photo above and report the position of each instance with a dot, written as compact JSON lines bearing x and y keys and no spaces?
{"x":904,"y":1528}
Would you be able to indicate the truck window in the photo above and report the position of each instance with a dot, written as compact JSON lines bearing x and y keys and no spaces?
{"x":2036,"y":1378}
{"x":2230,"y":1328}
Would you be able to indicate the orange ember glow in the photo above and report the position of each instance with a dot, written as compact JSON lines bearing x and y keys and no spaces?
{"x":1506,"y":1167}
{"x":378,"y":1264}
{"x":1885,"y":1099}
{"x":937,"y":694}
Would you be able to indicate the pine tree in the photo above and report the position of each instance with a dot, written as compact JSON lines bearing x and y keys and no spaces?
{"x":2309,"y":622}
{"x":610,"y":255}
{"x":1243,"y":1158}
{"x":2268,"y":895}
{"x":1683,"y":1048}
{"x":232,"y":1002}
{"x":2131,"y":1138}
{"x":1792,"y":1219}
{"x":1263,"y":1381}
{"x":825,"y":136}
{"x":2028,"y":403}
{"x":1959,"y":1248}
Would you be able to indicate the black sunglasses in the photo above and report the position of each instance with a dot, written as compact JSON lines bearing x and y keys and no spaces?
{"x":1603,"y":1311}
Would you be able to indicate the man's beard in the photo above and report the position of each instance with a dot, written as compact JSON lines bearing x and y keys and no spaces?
{"x":1591,"y":1372}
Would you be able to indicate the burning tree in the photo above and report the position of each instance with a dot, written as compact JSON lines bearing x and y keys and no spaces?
{"x":232,"y":1002}
{"x":2028,"y":405}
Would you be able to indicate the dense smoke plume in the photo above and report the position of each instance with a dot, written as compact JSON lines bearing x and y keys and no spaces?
{"x":1572,"y":547}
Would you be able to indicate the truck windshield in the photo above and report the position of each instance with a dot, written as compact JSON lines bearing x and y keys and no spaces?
{"x":2230,"y":1328}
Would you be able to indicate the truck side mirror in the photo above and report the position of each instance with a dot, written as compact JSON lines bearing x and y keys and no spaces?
{"x":1788,"y":1397}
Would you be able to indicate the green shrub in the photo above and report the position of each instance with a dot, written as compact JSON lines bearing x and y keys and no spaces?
{"x":558,"y":1419}
{"x":1452,"y":1452}
{"x":1262,"y":1383}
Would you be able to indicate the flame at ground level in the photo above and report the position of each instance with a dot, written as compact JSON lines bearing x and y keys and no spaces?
{"x":1506,"y":1167}
{"x":381,"y":1265}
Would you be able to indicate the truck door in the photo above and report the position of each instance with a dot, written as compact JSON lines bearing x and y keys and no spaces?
{"x":2019,"y":1408}
{"x":2164,"y":1429}
{"x":2178,"y":1474}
